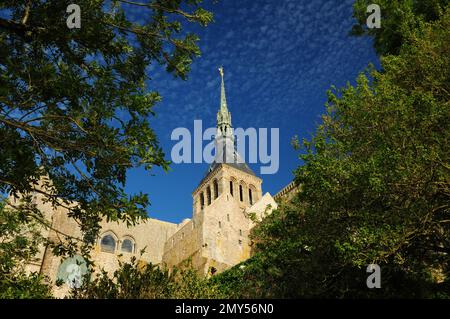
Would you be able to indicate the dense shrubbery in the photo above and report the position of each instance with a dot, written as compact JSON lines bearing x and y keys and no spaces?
{"x":138,"y":280}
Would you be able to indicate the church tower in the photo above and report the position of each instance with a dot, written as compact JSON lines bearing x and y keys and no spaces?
{"x":223,"y":197}
{"x":217,"y":236}
{"x":229,"y":173}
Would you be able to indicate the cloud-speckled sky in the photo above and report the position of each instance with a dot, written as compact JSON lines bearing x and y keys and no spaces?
{"x":279,"y":57}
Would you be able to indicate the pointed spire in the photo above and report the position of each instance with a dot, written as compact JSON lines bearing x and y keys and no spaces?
{"x":223,"y":115}
{"x":223,"y":99}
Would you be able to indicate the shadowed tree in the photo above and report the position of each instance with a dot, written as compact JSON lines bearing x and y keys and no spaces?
{"x":74,"y":104}
{"x":397,"y":17}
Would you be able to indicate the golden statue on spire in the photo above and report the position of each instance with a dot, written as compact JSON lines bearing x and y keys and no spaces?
{"x":221,"y":71}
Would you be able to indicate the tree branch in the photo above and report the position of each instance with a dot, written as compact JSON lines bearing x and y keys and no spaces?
{"x":188,"y":16}
{"x":26,"y":13}
{"x":18,"y":28}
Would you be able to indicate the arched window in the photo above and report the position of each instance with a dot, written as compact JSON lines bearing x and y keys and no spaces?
{"x":127,"y":246}
{"x":241,"y":197}
{"x":202,"y":200}
{"x":250,"y":198}
{"x":108,"y":244}
{"x":216,"y":189}
{"x":253,"y":193}
{"x":208,"y":195}
{"x":231,"y":188}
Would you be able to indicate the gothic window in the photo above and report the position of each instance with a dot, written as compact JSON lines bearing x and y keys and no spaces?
{"x":228,"y":217}
{"x":250,"y":199}
{"x":208,"y":195}
{"x":220,"y":224}
{"x":253,"y":193}
{"x":108,"y":244}
{"x":231,"y":188}
{"x":216,"y":189}
{"x":241,"y":197}
{"x":127,"y":246}
{"x":202,"y":200}
{"x":240,"y":232}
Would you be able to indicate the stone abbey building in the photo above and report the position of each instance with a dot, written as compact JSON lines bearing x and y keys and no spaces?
{"x":215,"y":238}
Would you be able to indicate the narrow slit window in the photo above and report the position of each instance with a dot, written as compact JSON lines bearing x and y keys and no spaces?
{"x":208,"y":195}
{"x":216,"y":189}
{"x":202,"y":200}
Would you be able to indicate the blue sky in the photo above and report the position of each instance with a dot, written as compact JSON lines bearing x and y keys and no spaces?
{"x":280,"y":57}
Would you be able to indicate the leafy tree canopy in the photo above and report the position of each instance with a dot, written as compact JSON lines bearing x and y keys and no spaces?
{"x":74,"y":105}
{"x":397,"y":17}
{"x":374,"y":187}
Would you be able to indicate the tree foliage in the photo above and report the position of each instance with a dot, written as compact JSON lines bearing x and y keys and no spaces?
{"x":19,"y":244}
{"x":75,"y":110}
{"x":141,"y":280}
{"x":374,"y":187}
{"x":397,"y":17}
{"x":74,"y":103}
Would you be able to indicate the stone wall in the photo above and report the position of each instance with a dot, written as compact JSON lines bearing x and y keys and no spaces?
{"x":216,"y":237}
{"x":149,"y":235}
{"x":185,"y":243}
